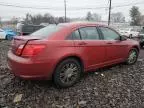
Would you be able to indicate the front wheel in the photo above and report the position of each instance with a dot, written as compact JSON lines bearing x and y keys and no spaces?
{"x":132,"y":57}
{"x":67,"y":73}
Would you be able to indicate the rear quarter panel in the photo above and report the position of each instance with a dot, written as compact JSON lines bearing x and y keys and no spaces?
{"x":55,"y":51}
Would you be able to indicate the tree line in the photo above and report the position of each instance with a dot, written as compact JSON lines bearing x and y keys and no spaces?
{"x":137,"y":19}
{"x":46,"y":18}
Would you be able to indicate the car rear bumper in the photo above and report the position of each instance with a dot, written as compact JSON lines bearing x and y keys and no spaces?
{"x":27,"y":69}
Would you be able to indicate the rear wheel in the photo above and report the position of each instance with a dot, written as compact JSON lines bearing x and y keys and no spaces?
{"x":67,"y":73}
{"x":132,"y":57}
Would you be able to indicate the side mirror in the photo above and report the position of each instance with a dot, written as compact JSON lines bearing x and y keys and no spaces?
{"x":123,"y":38}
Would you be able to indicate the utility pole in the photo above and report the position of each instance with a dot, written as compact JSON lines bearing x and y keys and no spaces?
{"x":109,"y":17}
{"x":65,"y":9}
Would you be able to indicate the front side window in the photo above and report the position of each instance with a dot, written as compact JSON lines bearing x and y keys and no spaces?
{"x":89,"y":33}
{"x":109,"y":34}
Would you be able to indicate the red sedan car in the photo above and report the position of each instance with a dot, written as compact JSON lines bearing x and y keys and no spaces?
{"x":63,"y":52}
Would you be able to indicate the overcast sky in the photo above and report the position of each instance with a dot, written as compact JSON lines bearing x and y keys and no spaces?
{"x":57,"y":7}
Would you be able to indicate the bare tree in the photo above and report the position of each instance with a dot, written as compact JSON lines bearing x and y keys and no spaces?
{"x":96,"y":17}
{"x":117,"y":17}
{"x":61,"y":20}
{"x":46,"y":18}
{"x":89,"y":16}
{"x":93,"y":17}
{"x":142,"y":20}
{"x":28,"y":18}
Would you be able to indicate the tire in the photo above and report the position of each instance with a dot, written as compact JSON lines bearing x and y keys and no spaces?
{"x":132,"y":57}
{"x":69,"y":69}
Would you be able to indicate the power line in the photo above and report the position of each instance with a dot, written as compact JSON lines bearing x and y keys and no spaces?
{"x":11,"y":5}
{"x":70,"y":8}
{"x":54,"y":8}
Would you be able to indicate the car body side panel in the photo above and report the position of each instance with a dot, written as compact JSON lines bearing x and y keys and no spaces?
{"x":116,"y":50}
{"x":93,"y":53}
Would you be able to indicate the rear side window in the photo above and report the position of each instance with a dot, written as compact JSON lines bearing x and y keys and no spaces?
{"x":75,"y":35}
{"x":46,"y":31}
{"x":89,"y":33}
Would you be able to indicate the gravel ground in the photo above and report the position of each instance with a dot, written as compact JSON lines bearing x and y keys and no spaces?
{"x":120,"y":86}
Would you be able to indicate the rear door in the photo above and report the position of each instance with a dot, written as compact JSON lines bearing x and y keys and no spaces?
{"x":116,"y":49}
{"x":90,"y":46}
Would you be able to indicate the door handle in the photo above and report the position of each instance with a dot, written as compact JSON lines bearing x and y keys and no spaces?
{"x":109,"y":43}
{"x":82,"y":43}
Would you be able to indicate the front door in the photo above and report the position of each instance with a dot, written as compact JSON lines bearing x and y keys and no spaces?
{"x":116,"y":49}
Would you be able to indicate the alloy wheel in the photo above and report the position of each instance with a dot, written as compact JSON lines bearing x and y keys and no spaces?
{"x":69,"y":73}
{"x":133,"y":55}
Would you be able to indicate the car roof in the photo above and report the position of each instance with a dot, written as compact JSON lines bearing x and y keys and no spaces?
{"x":78,"y":24}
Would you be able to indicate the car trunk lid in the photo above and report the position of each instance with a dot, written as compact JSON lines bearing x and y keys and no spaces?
{"x":21,"y":40}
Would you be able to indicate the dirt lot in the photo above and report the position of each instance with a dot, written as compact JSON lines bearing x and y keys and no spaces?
{"x":119,"y":86}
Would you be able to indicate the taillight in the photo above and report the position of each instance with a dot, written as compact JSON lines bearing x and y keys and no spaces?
{"x":19,"y":49}
{"x":29,"y":50}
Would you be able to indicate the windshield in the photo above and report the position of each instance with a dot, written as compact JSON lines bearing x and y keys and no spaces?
{"x":46,"y":31}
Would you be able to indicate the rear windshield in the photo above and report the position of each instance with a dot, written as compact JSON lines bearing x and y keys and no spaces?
{"x":46,"y":31}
